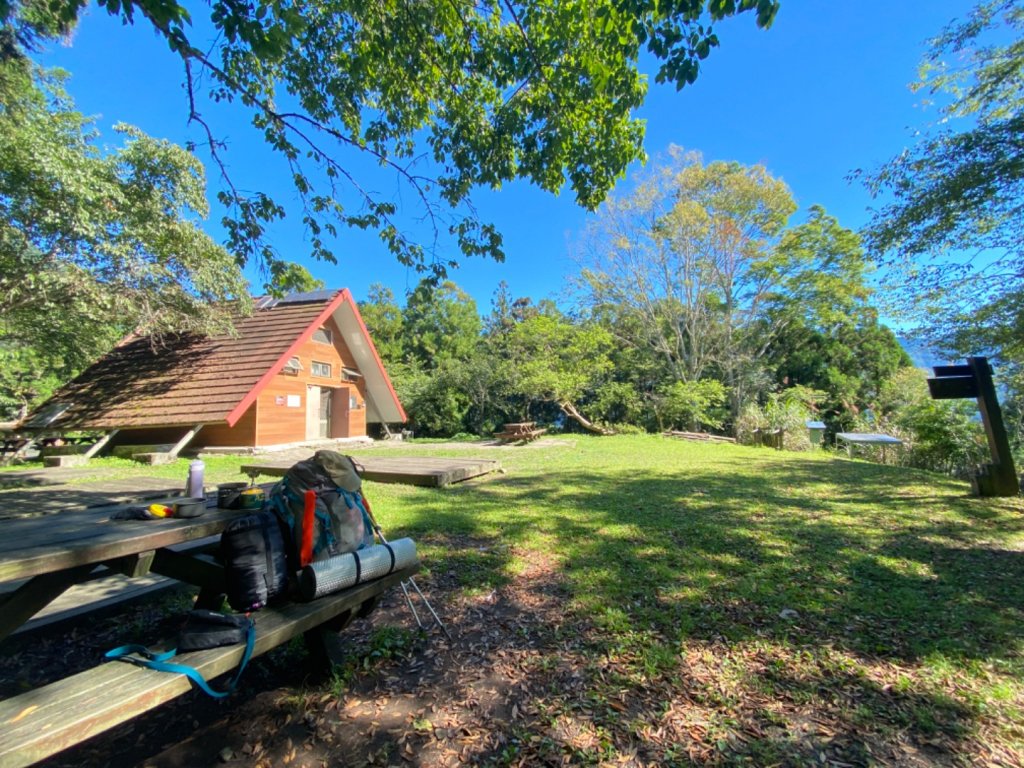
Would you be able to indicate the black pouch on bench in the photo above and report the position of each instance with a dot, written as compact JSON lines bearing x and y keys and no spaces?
{"x":202,"y":630}
{"x":209,"y":629}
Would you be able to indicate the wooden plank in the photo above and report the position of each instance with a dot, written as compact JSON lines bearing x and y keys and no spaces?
{"x":31,"y":546}
{"x":953,"y":370}
{"x":953,"y":387}
{"x":25,"y":602}
{"x":45,"y":721}
{"x":58,"y":498}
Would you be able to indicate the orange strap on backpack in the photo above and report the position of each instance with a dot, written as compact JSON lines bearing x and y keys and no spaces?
{"x":308,"y":512}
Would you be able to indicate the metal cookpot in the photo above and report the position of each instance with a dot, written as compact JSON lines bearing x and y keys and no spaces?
{"x":229,"y":495}
{"x":189,"y":507}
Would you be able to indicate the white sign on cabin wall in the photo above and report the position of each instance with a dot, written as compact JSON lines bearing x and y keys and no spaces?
{"x":294,"y":401}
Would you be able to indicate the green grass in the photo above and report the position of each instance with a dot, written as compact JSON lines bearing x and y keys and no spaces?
{"x":901,"y":597}
{"x":908,"y":593}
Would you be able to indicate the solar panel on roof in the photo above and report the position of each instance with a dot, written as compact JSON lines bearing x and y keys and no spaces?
{"x":308,"y":297}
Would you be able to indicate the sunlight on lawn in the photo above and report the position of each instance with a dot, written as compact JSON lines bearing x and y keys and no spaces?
{"x":884,"y":600}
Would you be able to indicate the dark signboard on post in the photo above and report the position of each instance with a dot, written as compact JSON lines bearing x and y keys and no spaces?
{"x":953,"y":382}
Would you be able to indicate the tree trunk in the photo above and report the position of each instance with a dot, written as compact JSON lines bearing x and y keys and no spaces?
{"x":570,"y":410}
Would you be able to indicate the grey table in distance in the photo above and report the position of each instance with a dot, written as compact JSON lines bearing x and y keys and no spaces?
{"x":867,"y":438}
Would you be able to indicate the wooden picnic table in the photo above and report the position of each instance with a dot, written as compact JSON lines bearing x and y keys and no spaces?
{"x":54,"y":552}
{"x":519,"y":431}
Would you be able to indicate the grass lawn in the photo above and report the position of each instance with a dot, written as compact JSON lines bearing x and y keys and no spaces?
{"x":725,"y":604}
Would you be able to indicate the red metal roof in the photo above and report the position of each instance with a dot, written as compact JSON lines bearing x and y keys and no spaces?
{"x":190,"y":380}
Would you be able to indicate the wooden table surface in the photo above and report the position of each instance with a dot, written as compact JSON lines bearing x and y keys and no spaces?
{"x":36,"y":545}
{"x":30,"y":546}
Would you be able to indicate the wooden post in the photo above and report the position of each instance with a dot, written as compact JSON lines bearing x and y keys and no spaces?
{"x":1001,"y":478}
{"x":998,"y":478}
{"x":100,"y":444}
{"x":185,"y":440}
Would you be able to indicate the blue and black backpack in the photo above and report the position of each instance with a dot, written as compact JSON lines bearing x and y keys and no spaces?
{"x":340,"y":524}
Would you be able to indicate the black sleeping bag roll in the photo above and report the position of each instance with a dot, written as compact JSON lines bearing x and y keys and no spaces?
{"x":255,"y":565}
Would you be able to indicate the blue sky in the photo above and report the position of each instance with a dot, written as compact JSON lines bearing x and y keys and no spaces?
{"x":821,"y":93}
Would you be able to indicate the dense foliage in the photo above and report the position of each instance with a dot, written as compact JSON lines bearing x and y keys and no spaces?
{"x":93,"y":245}
{"x":448,"y":96}
{"x":702,"y":307}
{"x":949,"y":229}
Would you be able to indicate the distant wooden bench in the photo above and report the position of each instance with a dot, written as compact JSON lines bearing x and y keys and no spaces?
{"x":519,"y":432}
{"x":42,"y":722}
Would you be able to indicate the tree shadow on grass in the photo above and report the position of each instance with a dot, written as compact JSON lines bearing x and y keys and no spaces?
{"x":868,"y":562}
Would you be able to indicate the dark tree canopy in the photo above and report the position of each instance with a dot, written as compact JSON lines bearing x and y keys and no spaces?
{"x":449,"y":95}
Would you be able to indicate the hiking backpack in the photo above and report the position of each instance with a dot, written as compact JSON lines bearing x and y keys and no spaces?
{"x":340,"y":521}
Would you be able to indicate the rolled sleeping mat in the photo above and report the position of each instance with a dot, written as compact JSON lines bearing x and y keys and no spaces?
{"x":343,"y":571}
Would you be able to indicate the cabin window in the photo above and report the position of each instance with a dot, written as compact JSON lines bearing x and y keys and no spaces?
{"x":293,"y":366}
{"x":323,"y":335}
{"x":350,"y":374}
{"x":322,"y":370}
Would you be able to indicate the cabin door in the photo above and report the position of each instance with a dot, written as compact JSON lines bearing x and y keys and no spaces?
{"x":318,"y":412}
{"x":324,"y":423}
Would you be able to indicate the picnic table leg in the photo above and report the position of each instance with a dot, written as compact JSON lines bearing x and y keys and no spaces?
{"x":209,"y":577}
{"x":35,"y":594}
{"x":324,"y":643}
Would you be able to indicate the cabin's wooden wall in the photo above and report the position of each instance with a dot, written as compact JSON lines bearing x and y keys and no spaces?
{"x":243,"y":433}
{"x":148,"y":436}
{"x":277,"y":422}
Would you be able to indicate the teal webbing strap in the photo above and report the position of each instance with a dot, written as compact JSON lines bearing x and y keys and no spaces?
{"x":159,"y":662}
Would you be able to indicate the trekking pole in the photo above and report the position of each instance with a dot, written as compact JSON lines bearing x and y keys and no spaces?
{"x":411,"y":580}
{"x":408,"y":599}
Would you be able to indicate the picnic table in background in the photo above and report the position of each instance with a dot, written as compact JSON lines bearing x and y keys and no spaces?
{"x":519,"y":432}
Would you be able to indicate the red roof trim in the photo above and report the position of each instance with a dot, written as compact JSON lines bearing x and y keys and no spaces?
{"x":376,"y":357}
{"x":266,"y":378}
{"x":328,"y":311}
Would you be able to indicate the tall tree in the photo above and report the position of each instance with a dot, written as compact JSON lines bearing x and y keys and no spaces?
{"x":384,"y":320}
{"x":561,"y":362}
{"x":93,"y":245}
{"x":692,"y":255}
{"x":828,"y":333}
{"x":487,"y":92}
{"x":441,"y":324}
{"x":951,"y":229}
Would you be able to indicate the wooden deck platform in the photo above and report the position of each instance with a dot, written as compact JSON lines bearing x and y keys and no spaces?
{"x":425,"y":471}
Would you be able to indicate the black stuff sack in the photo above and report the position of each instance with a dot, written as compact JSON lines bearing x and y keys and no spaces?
{"x":252,"y":549}
{"x":209,"y":629}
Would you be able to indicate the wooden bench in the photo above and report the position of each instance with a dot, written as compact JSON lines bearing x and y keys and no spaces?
{"x":42,"y":722}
